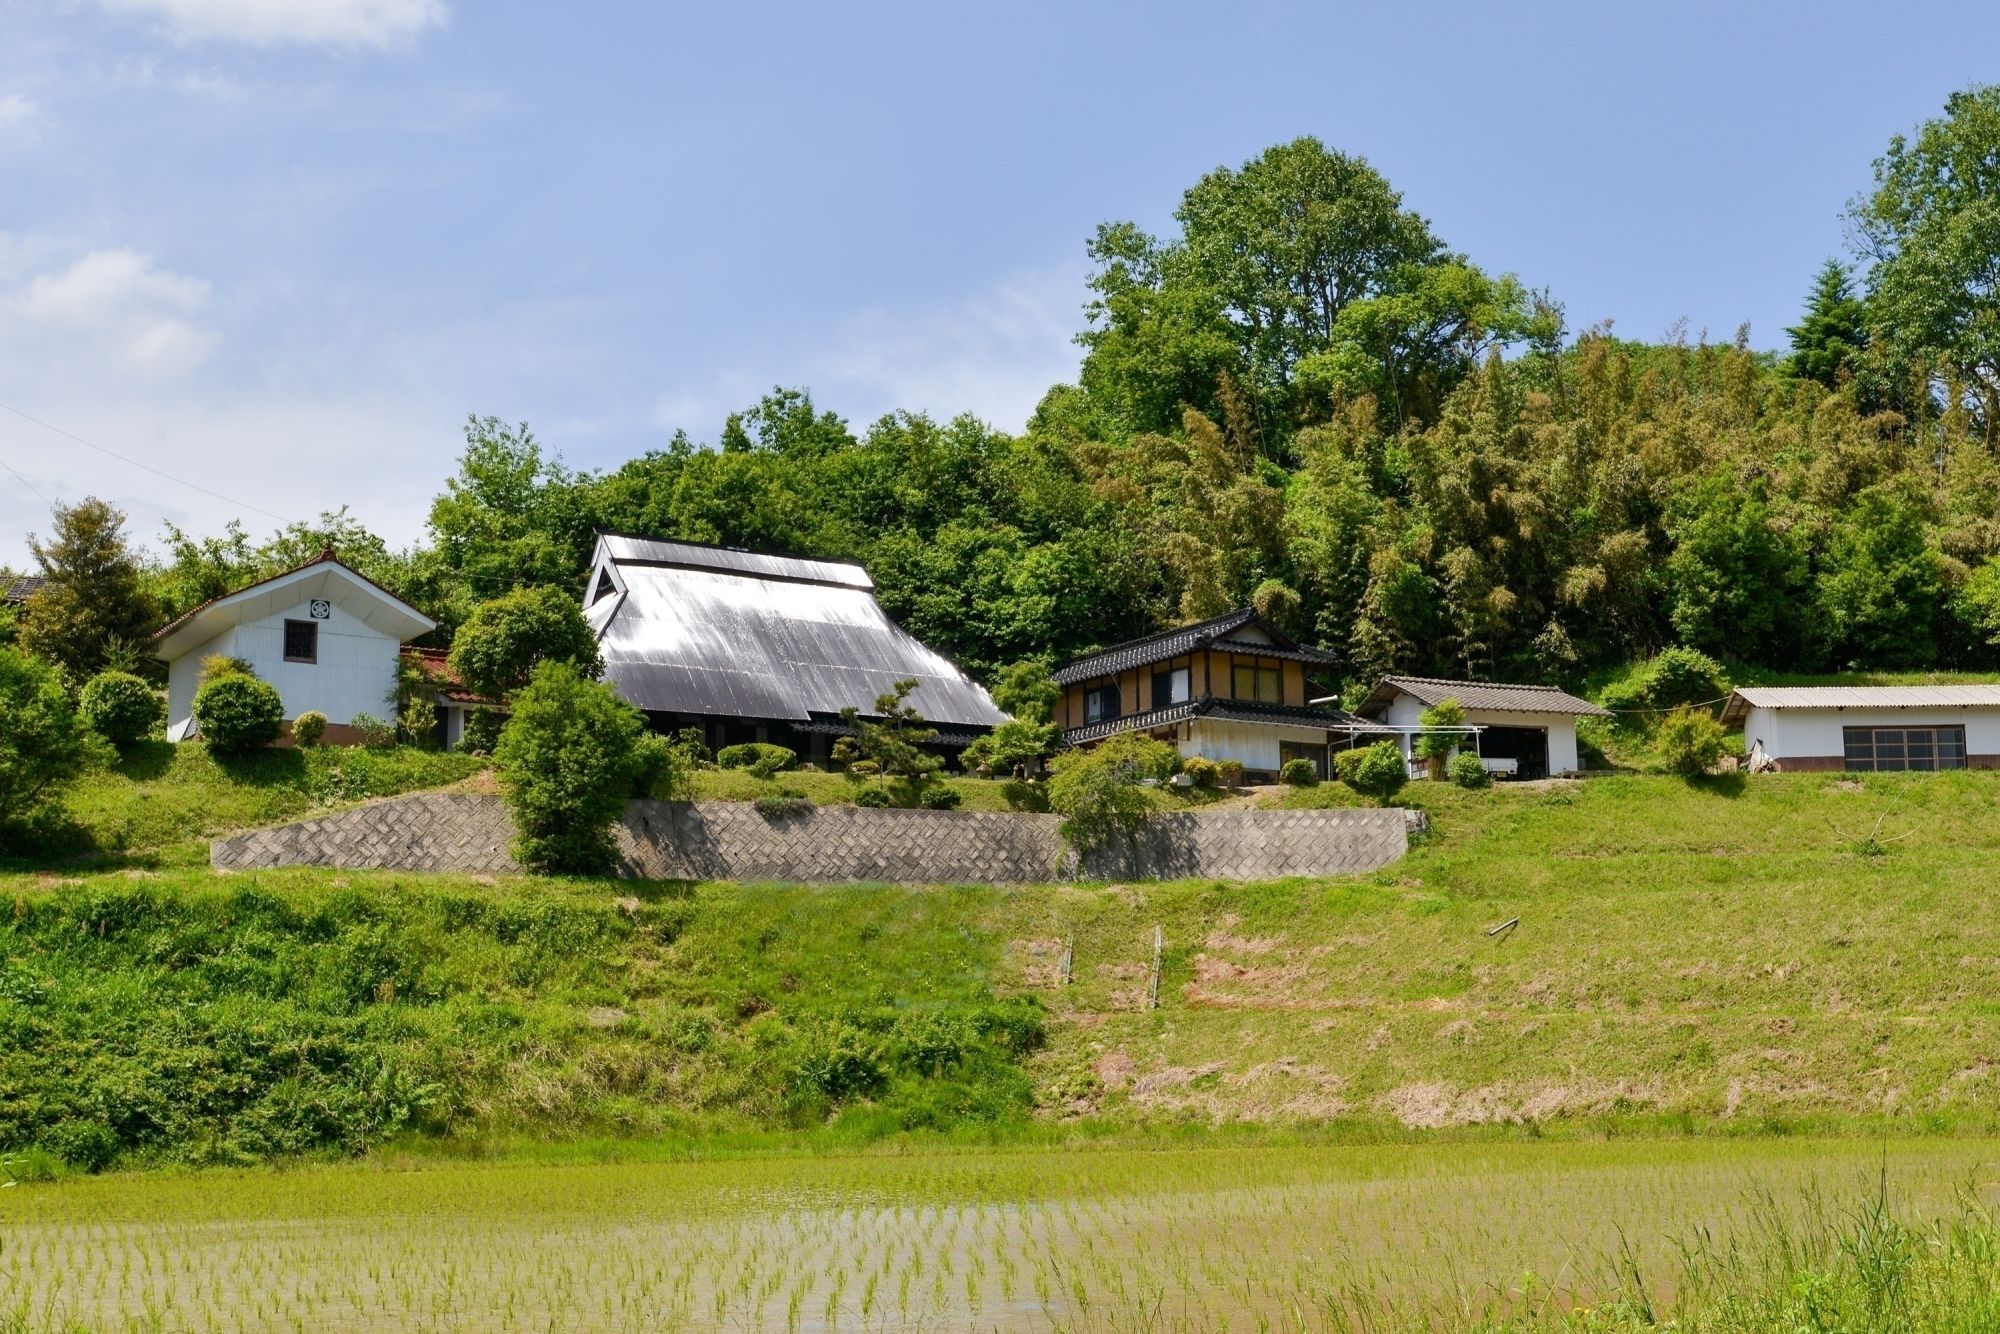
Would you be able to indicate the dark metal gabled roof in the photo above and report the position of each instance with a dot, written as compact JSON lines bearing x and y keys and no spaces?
{"x":629,"y":550}
{"x":707,"y":631}
{"x":1480,"y":695}
{"x":1186,"y":639}
{"x":16,"y":588}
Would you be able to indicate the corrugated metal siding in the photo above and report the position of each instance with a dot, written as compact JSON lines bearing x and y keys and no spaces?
{"x":717,"y":642}
{"x":1859,"y":697}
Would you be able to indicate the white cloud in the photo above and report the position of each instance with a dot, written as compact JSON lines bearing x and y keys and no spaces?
{"x":116,"y":305}
{"x":349,"y":23}
{"x":994,"y":354}
{"x":20,"y":116}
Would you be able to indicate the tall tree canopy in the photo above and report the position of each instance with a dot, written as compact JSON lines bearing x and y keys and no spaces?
{"x":95,"y":610}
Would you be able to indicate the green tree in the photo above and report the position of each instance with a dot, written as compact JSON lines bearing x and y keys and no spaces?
{"x":893,"y":738}
{"x":1881,"y":584}
{"x":1930,"y":230}
{"x":1025,"y":691}
{"x":1100,"y":792}
{"x":1828,"y":343}
{"x":504,"y":640}
{"x":1435,"y":747}
{"x":1737,"y":575}
{"x":1690,"y":742}
{"x":569,"y":758}
{"x":95,"y":602}
{"x":43,"y":745}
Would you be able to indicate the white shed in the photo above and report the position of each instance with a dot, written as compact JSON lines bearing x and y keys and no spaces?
{"x":1533,"y":728}
{"x":326,"y":637}
{"x":1869,"y":728}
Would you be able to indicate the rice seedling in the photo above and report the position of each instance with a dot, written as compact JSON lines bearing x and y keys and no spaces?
{"x":1504,"y":1237}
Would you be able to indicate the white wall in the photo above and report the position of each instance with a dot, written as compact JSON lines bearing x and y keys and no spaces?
{"x":1407,"y":711}
{"x":1253,"y":745}
{"x":184,"y":675}
{"x":1816,"y":733}
{"x":356,"y":671}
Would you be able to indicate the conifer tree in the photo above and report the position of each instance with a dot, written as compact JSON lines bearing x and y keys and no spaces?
{"x":1829,"y":341}
{"x":94,"y":608}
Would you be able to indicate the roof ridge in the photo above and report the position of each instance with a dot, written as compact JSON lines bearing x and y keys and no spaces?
{"x":1247,"y":613}
{"x":1473,"y":681}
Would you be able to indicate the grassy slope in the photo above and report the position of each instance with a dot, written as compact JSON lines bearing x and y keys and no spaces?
{"x":164,"y":801}
{"x":1716,"y":956}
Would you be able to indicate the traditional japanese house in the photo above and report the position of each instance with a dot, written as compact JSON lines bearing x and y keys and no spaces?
{"x":1230,"y":688}
{"x":752,"y":646}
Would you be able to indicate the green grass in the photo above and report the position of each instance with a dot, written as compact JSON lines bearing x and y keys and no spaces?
{"x":166,"y":801}
{"x":1716,"y":959}
{"x":1727,"y":1237}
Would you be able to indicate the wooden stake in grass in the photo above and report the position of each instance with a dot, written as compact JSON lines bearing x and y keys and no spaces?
{"x":1068,"y":957}
{"x":1153,"y":983}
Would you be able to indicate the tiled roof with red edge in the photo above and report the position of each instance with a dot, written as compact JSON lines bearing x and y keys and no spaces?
{"x":435,"y":663}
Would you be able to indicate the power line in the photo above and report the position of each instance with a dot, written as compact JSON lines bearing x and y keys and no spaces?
{"x":178,"y":481}
{"x":22,"y":478}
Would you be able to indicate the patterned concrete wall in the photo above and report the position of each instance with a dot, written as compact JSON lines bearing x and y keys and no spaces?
{"x":719,"y":840}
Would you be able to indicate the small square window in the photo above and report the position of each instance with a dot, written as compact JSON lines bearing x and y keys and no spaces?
{"x":301,"y":641}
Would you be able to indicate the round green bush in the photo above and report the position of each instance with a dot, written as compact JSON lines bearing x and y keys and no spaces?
{"x":238,"y":712}
{"x":872,"y":797}
{"x":1230,"y":772}
{"x":1468,"y":770}
{"x":309,"y":728}
{"x":1377,"y":771}
{"x":119,"y":707}
{"x":569,"y":759}
{"x":759,"y":757}
{"x":1203,"y":772}
{"x":940,"y":799}
{"x":1298,"y":773}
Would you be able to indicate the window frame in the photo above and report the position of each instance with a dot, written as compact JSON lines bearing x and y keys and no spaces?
{"x":1094,"y":698}
{"x":312,"y":631}
{"x":1260,"y":675}
{"x":1168,"y":674}
{"x":1868,"y":748}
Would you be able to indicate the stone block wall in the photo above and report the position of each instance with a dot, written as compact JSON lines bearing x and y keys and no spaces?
{"x":720,"y":840}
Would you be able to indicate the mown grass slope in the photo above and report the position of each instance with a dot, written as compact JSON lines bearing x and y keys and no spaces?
{"x":1772,"y":954}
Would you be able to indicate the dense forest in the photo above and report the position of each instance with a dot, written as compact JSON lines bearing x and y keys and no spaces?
{"x":1305,"y":399}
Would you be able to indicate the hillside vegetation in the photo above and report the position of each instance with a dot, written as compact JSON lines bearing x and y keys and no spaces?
{"x":1778,"y":953}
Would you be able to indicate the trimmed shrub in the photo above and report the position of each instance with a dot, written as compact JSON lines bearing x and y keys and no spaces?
{"x":376,"y":733}
{"x":662,"y":770}
{"x":782,"y":806}
{"x":1690,"y":742}
{"x":1468,"y":770}
{"x":216,"y":666}
{"x":568,"y":760}
{"x":43,"y":747}
{"x":1230,"y":772}
{"x":119,"y":707}
{"x":760,"y":757}
{"x":874,"y":798}
{"x":238,"y":712}
{"x":309,"y":728}
{"x":481,"y":732}
{"x":940,"y":799}
{"x":1202,"y":771}
{"x":1376,"y":771}
{"x":863,"y":769}
{"x":1299,"y":773}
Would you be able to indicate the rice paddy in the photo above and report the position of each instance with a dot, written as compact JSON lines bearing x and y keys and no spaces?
{"x":1443,"y":1235}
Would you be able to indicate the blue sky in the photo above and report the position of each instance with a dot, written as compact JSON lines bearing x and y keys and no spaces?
{"x":281,"y":247}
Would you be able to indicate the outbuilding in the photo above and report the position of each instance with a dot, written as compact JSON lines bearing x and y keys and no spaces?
{"x":324,"y":635}
{"x":1523,"y":731}
{"x":1867,"y":729}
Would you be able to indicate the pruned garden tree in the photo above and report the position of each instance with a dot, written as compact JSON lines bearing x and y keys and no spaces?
{"x":893,"y":738}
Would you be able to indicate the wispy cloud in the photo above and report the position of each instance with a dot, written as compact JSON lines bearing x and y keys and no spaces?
{"x":118,"y":306}
{"x":346,"y":23}
{"x":19,"y":114}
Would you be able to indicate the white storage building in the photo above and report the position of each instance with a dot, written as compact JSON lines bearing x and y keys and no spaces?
{"x":1534,"y":727}
{"x":325,"y":636}
{"x":1868,"y":728}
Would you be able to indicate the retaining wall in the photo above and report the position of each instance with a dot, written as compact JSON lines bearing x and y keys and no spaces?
{"x":723,"y":840}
